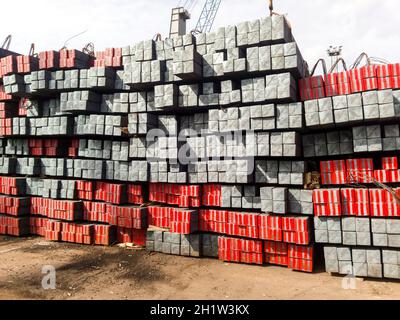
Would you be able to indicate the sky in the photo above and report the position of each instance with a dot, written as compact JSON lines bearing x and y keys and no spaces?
{"x":369,"y":26}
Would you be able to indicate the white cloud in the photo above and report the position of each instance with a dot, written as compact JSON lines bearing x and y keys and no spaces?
{"x":358,"y":25}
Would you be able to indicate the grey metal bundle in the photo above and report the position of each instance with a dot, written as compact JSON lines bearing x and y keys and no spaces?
{"x":163,"y":148}
{"x":167,"y":172}
{"x":274,"y":200}
{"x":141,"y":123}
{"x":49,"y":126}
{"x":301,"y":202}
{"x":187,"y":63}
{"x":330,"y":143}
{"x":209,"y":96}
{"x":137,"y":147}
{"x":146,"y":72}
{"x":17,"y":147}
{"x":99,"y":149}
{"x":174,"y":243}
{"x":115,"y":103}
{"x":14,"y":83}
{"x":141,"y":102}
{"x":280,"y":87}
{"x":20,"y":126}
{"x":166,"y":96}
{"x":328,"y":230}
{"x":188,"y":95}
{"x":354,"y":261}
{"x":237,"y":196}
{"x":53,"y":167}
{"x":8,"y":165}
{"x":367,"y":138}
{"x":168,"y":124}
{"x":230,"y":93}
{"x":101,"y":78}
{"x":209,"y":245}
{"x":285,"y":144}
{"x":106,"y":125}
{"x":43,"y":108}
{"x":28,"y":166}
{"x":280,"y":172}
{"x":84,"y":169}
{"x":391,"y":264}
{"x":51,"y":188}
{"x":194,"y":124}
{"x":235,"y":63}
{"x":220,"y":171}
{"x":76,"y":101}
{"x":120,"y":150}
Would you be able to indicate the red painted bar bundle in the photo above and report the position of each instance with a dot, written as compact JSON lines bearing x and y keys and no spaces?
{"x":333,"y":172}
{"x":135,"y":236}
{"x":390,"y":172}
{"x":85,"y":190}
{"x":23,"y":107}
{"x":312,"y":88}
{"x":276,"y":253}
{"x":14,"y":206}
{"x":112,"y":57}
{"x":3,"y":95}
{"x":178,"y":220}
{"x":111,"y":193}
{"x":337,"y":84}
{"x":73,"y":148}
{"x":213,"y":221}
{"x":242,"y":224}
{"x":12,"y":186}
{"x":27,"y":64}
{"x":388,"y":76}
{"x":8,"y":110}
{"x":128,"y":217}
{"x":14,"y":226}
{"x":383,"y":203}
{"x":240,"y":250}
{"x":104,"y":235}
{"x":95,"y":212}
{"x":159,"y":216}
{"x":270,"y":227}
{"x":180,"y":195}
{"x":57,"y":209}
{"x":37,"y":226}
{"x":74,"y":59}
{"x":363,"y":79}
{"x":77,"y":233}
{"x":47,"y":147}
{"x":355,"y":202}
{"x":49,"y":60}
{"x":327,"y":202}
{"x":53,"y":230}
{"x":6,"y":127}
{"x":135,"y":194}
{"x":301,"y":258}
{"x":211,"y":195}
{"x":184,"y":221}
{"x":297,"y":230}
{"x":372,"y":77}
{"x":8,"y":65}
{"x":360,"y":170}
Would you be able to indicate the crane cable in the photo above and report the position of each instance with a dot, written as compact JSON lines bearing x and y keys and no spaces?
{"x":188,"y":4}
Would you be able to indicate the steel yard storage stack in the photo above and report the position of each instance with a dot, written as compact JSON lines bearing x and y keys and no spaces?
{"x":205,"y":144}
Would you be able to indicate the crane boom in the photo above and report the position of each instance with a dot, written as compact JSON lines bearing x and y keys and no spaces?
{"x":207,"y":16}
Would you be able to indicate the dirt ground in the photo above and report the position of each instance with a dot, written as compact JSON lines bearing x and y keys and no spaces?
{"x":85,"y":272}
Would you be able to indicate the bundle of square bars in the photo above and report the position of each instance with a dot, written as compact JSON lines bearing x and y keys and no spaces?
{"x":200,"y":145}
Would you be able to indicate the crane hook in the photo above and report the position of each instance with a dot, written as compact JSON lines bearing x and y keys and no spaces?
{"x":271,"y":7}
